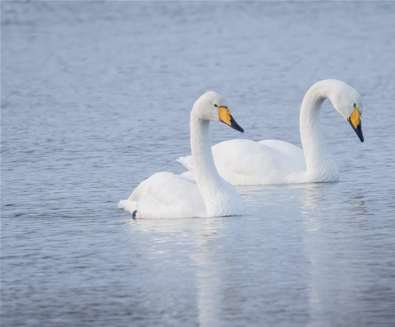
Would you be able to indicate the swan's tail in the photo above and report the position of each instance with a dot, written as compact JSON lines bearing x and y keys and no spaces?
{"x":128,"y":205}
{"x":186,"y":162}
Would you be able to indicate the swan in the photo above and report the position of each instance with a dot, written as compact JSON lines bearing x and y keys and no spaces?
{"x":168,"y":195}
{"x":247,"y":162}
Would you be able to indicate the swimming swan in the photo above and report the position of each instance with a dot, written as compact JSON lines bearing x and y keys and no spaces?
{"x":167,"y":195}
{"x":246,"y":162}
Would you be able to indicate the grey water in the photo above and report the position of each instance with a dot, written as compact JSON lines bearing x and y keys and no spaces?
{"x":96,"y":97}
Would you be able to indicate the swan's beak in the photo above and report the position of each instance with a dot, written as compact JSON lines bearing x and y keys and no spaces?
{"x":355,"y":122}
{"x":225,"y":117}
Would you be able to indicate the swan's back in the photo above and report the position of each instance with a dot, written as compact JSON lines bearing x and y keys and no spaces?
{"x":246,"y":162}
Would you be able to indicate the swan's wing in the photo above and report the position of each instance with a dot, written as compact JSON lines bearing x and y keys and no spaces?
{"x":287,"y":149}
{"x":246,"y":162}
{"x":165,"y":195}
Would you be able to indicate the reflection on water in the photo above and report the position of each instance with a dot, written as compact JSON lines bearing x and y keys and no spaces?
{"x":208,"y":278}
{"x":336,"y":253}
{"x":96,"y":97}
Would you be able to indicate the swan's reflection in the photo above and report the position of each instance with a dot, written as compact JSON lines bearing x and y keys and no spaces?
{"x":312,"y":194}
{"x":208,"y":276}
{"x":306,"y":230}
{"x":330,"y":214}
{"x":202,"y":233}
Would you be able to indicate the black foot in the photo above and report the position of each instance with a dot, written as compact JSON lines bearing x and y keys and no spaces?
{"x":134,"y":214}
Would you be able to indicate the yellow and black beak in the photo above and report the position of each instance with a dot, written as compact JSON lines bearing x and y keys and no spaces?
{"x":355,"y":122}
{"x":225,"y":117}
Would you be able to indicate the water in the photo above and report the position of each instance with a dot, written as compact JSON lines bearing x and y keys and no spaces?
{"x":96,"y":97}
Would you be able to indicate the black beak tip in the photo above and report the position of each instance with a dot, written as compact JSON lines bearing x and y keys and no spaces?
{"x":358,"y":130}
{"x":236,"y":126}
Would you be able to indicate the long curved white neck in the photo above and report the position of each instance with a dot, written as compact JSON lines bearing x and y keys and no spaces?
{"x":207,"y":178}
{"x":315,"y":153}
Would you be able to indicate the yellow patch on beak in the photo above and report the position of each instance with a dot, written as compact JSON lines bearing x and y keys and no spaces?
{"x":224,"y":115}
{"x":355,"y":117}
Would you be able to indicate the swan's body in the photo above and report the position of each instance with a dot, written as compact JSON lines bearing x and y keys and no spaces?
{"x":247,"y":162}
{"x":167,"y":195}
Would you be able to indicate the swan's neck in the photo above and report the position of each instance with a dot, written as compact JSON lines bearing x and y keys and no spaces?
{"x":210,"y":184}
{"x":316,"y":157}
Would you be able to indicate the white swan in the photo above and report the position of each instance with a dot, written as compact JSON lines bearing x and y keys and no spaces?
{"x":167,"y":195}
{"x":246,"y":162}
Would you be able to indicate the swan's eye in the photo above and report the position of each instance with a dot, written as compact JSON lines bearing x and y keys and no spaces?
{"x":215,"y":105}
{"x":354,"y":105}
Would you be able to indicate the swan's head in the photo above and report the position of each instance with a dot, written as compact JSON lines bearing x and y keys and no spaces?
{"x":347,"y":102}
{"x":210,"y":106}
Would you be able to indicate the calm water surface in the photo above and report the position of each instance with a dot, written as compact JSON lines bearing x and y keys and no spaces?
{"x":96,"y":97}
